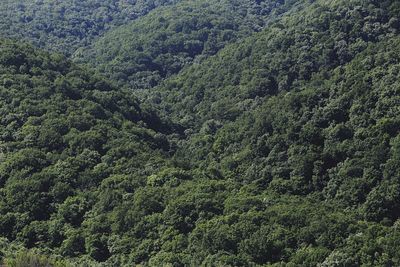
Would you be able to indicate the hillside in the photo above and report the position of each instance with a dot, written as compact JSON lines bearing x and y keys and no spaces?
{"x":63,"y":133}
{"x":309,"y":107}
{"x":144,"y":52}
{"x":277,"y":146}
{"x":313,"y":41}
{"x":66,"y":25}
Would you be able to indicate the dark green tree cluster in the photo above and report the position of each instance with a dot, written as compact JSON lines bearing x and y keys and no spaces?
{"x":312,"y":41}
{"x":66,"y":25}
{"x":148,"y":50}
{"x":62,"y":132}
{"x":282,"y":149}
{"x":15,"y":255}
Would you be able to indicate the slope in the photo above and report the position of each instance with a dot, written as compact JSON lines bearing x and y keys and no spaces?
{"x":160,"y":44}
{"x":64,"y":26}
{"x":318,"y":172}
{"x":289,"y":52}
{"x":291,"y":153}
{"x":307,"y":109}
{"x":63,"y":131}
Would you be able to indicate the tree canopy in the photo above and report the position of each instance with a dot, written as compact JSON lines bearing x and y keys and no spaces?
{"x":272,"y":141}
{"x":146,"y":51}
{"x":66,"y":25}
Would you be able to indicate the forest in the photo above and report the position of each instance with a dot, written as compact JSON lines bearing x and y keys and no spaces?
{"x":64,"y":26}
{"x":200,"y":133}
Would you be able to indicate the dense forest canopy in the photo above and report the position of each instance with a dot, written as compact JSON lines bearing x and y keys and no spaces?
{"x":66,"y":25}
{"x":279,"y":59}
{"x":63,"y":131}
{"x":267,"y":134}
{"x":144,"y":52}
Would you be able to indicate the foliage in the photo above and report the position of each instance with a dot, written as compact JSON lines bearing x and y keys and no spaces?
{"x":63,"y":131}
{"x":144,"y":52}
{"x":280,"y":150}
{"x":66,"y":25}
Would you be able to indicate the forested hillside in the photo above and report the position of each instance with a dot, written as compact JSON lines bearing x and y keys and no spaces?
{"x":144,"y":52}
{"x":314,"y":41}
{"x":274,"y":141}
{"x":66,"y":25}
{"x":63,"y":134}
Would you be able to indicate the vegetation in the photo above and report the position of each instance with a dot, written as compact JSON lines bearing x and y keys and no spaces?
{"x":144,"y":52}
{"x":281,"y":149}
{"x":313,"y":41}
{"x":66,"y":25}
{"x":63,"y":131}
